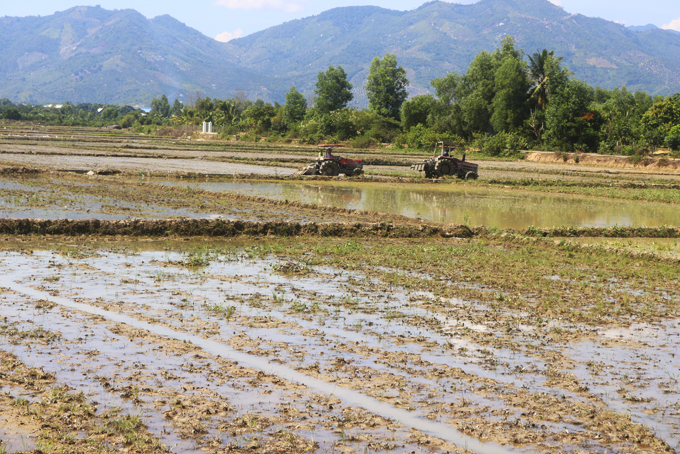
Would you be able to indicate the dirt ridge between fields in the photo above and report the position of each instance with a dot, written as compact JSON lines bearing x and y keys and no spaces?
{"x":669,"y":165}
{"x":222,"y":228}
{"x":225,"y":228}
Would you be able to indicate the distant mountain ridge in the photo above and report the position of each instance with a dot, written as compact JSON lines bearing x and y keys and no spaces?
{"x":439,"y":37}
{"x":89,"y":54}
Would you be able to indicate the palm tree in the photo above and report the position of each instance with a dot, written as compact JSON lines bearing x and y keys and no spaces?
{"x":226,"y":112}
{"x":538,"y":75}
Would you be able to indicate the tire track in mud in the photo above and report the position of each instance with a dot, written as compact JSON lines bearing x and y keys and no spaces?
{"x":347,"y":396}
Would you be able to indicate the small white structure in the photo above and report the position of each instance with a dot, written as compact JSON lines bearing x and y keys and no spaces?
{"x":207,"y":128}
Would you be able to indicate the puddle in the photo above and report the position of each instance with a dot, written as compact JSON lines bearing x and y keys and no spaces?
{"x":14,"y":440}
{"x":450,"y":203}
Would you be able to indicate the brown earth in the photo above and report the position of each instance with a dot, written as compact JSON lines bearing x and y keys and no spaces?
{"x":648,"y":164}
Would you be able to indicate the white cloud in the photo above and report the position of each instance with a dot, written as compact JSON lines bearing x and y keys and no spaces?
{"x":672,"y":25}
{"x":228,"y":36}
{"x":289,"y":6}
{"x":620,"y":22}
{"x":556,"y":2}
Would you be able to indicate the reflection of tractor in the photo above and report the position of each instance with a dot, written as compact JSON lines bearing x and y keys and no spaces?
{"x":445,"y":164}
{"x":332,"y":166}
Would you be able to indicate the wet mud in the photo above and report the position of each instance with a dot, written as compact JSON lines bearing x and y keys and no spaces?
{"x":240,"y":349}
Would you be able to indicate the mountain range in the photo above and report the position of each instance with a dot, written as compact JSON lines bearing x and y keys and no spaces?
{"x":89,"y":54}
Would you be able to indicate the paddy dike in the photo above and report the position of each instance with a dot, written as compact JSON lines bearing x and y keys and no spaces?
{"x":651,"y":164}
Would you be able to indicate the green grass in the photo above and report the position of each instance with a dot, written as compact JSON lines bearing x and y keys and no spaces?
{"x":520,"y":270}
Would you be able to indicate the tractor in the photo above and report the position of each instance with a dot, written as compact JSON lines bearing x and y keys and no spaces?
{"x":445,"y":164}
{"x":331,"y":166}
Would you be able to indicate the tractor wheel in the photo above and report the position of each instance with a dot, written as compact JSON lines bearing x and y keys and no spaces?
{"x":471,"y":176}
{"x":429,"y":172}
{"x":329,"y":169}
{"x":443,"y":168}
{"x":349,"y":172}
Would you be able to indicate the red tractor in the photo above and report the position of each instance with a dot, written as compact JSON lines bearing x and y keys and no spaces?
{"x":445,"y":164}
{"x":331,"y":166}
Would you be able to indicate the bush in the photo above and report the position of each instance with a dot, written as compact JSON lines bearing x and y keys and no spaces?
{"x":606,"y":147}
{"x":363,"y":141}
{"x":515,"y":142}
{"x":249,"y":137}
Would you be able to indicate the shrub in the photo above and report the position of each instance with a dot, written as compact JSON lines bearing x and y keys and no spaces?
{"x":606,"y":147}
{"x":494,"y":145}
{"x":249,"y":137}
{"x":515,"y":142}
{"x":363,"y":141}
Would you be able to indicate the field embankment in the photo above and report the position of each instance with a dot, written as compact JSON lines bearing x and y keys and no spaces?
{"x":657,"y":164}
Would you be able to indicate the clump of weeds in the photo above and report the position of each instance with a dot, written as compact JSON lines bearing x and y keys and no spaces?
{"x":293,"y":267}
{"x":222,"y":309}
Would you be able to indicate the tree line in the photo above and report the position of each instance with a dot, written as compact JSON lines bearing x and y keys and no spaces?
{"x":506,"y":101}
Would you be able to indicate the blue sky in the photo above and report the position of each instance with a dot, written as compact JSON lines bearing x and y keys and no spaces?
{"x":225,"y":19}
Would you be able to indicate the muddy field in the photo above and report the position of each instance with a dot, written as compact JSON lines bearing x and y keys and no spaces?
{"x":180,"y":313}
{"x":85,"y":149}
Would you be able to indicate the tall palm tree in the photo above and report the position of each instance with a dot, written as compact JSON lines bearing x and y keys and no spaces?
{"x":538,"y":74}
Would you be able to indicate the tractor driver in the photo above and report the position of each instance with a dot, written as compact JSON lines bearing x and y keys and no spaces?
{"x":329,"y":155}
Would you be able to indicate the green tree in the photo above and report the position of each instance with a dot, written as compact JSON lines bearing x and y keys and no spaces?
{"x":110,"y":113}
{"x":296,"y":106}
{"x":177,"y":108}
{"x":12,"y":114}
{"x":660,"y":118}
{"x":564,"y":115}
{"x":445,"y":87}
{"x":673,"y":138}
{"x":417,"y":110}
{"x":333,"y":90}
{"x":160,"y":107}
{"x":509,"y":104}
{"x":386,"y":87}
{"x":128,"y":121}
{"x":227,"y":112}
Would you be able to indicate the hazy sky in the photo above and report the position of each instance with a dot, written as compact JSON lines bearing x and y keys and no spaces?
{"x":224,"y":19}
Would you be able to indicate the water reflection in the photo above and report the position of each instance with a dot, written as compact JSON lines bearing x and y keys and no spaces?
{"x":492,"y":207}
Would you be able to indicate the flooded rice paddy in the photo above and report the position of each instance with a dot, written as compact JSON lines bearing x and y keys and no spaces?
{"x":337,"y":345}
{"x":469,"y":205}
{"x":274,"y":348}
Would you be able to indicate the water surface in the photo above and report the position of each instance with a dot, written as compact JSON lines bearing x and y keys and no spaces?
{"x":474,"y":206}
